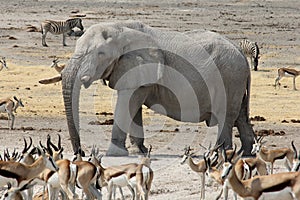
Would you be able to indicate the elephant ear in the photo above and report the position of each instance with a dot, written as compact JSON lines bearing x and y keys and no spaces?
{"x":141,"y":61}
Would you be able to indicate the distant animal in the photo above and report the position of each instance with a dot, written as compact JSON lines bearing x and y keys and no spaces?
{"x":59,"y":27}
{"x":251,"y":50}
{"x":10,"y":106}
{"x":3,"y":63}
{"x":287,"y":72}
{"x":57,"y":67}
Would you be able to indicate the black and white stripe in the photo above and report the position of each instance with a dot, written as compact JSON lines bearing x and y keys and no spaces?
{"x":59,"y":27}
{"x":251,"y":50}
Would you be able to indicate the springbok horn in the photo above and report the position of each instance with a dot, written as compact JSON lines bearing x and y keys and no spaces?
{"x":49,"y":146}
{"x":187,"y":150}
{"x":53,"y":145}
{"x":218,"y":146}
{"x":100,"y":158}
{"x":16,"y":98}
{"x":261,"y":138}
{"x":97,"y":150}
{"x":25,"y":146}
{"x":93,"y":150}
{"x":231,"y":156}
{"x":295,"y":150}
{"x":14,"y":153}
{"x":59,"y":141}
{"x":202,"y":146}
{"x":30,"y":143}
{"x":6,"y":154}
{"x":42,"y":146}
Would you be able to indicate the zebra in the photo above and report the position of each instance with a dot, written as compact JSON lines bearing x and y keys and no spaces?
{"x":251,"y":50}
{"x":59,"y":27}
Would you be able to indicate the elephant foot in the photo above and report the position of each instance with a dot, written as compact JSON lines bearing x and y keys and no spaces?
{"x":138,"y":149}
{"x":115,"y":150}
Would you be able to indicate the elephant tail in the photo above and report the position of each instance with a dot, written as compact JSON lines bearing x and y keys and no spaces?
{"x":247,"y":97}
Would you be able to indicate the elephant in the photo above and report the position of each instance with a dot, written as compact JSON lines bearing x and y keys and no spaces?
{"x":195,"y":76}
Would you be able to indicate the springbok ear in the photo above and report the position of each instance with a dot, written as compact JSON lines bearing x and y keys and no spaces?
{"x":15,"y":98}
{"x":141,"y":61}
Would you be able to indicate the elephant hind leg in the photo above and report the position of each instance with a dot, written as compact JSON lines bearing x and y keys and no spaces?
{"x":245,"y":129}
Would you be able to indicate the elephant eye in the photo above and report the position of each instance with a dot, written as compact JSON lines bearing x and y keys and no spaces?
{"x":101,"y":53}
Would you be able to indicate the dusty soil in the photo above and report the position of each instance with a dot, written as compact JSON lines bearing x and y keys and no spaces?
{"x":273,"y":24}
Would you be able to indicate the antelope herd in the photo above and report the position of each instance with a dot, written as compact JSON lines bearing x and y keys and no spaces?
{"x":249,"y":178}
{"x":44,"y":165}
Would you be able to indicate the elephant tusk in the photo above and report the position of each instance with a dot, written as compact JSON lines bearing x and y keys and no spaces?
{"x":85,"y":79}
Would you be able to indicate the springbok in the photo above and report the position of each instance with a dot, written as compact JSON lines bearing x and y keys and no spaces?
{"x":57,"y":67}
{"x":133,"y":175}
{"x":287,"y":72}
{"x":199,"y":168}
{"x":19,"y":173}
{"x":10,"y":106}
{"x":3,"y":63}
{"x":270,"y":156}
{"x":14,"y":193}
{"x":286,"y":184}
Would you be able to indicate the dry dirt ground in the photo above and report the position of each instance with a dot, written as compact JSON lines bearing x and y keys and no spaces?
{"x":274,"y":24}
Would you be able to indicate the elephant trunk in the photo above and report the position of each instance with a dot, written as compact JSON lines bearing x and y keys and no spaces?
{"x":71,"y":90}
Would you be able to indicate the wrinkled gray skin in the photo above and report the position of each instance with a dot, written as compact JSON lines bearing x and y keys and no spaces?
{"x":192,"y":77}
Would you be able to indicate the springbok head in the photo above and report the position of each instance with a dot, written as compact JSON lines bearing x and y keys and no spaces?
{"x":3,"y":63}
{"x":229,"y":162}
{"x":212,"y":153}
{"x":186,"y":155}
{"x":53,"y":150}
{"x":18,"y":103}
{"x":55,"y":62}
{"x":257,"y":145}
{"x":14,"y":193}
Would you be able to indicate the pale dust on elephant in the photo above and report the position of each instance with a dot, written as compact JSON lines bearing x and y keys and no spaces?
{"x":193,"y":77}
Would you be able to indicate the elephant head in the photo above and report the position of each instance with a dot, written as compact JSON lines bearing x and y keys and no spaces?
{"x":107,"y":52}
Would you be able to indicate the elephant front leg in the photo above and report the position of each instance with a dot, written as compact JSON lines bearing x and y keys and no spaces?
{"x":137,"y":134}
{"x":127,"y":108}
{"x":117,"y":145}
{"x":128,"y":119}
